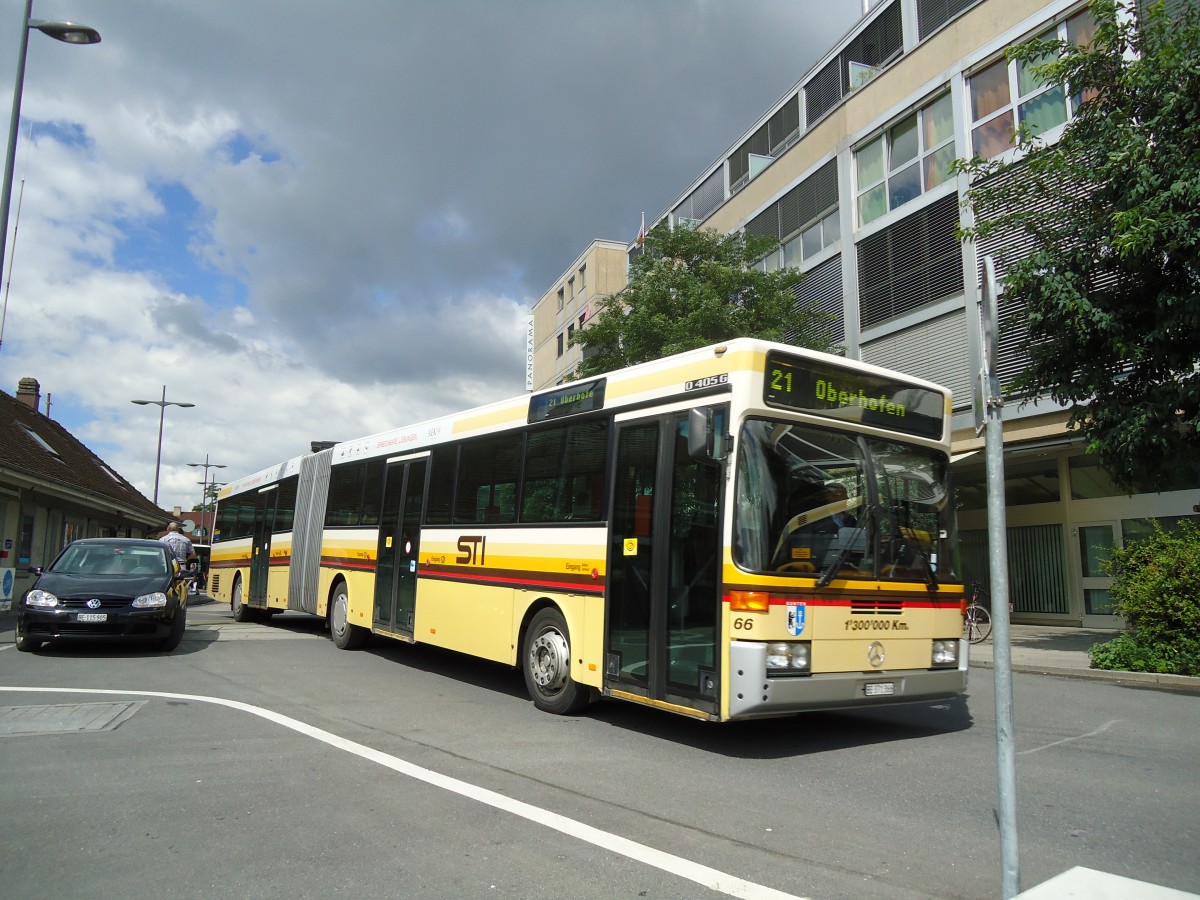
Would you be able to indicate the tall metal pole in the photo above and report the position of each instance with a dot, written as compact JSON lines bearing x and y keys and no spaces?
{"x":162,"y":412}
{"x":14,"y":123}
{"x":206,"y":465}
{"x":67,"y":32}
{"x":1006,"y":766}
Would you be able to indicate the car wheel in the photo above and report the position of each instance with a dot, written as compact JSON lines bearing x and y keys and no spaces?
{"x":175,"y":635}
{"x":345,"y":635}
{"x":547,"y":665}
{"x":24,"y":642}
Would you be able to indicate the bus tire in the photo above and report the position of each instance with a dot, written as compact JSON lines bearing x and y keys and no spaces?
{"x":241,"y":612}
{"x":546,"y":664}
{"x":345,"y":635}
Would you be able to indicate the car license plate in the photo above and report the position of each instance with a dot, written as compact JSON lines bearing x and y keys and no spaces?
{"x":880,"y":690}
{"x":92,"y":617}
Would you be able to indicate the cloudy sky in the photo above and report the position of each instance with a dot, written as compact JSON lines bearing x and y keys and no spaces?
{"x":320,"y":220}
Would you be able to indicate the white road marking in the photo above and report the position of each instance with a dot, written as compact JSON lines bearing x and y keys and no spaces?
{"x":1092,"y":733}
{"x":675,"y":865}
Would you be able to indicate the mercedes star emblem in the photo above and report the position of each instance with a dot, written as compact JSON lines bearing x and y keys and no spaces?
{"x":875,"y":654}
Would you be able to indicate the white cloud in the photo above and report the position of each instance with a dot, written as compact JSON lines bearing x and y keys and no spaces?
{"x":334,"y":230}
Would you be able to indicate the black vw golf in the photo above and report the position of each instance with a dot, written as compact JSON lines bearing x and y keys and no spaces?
{"x":101,"y":588}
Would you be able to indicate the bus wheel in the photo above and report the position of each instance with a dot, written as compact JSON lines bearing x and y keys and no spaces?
{"x":241,"y":612}
{"x":547,"y":665}
{"x":345,"y":635}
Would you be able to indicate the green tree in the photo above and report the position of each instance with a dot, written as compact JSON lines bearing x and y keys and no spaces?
{"x":692,"y":287}
{"x":1103,"y":228}
{"x":1156,"y":587}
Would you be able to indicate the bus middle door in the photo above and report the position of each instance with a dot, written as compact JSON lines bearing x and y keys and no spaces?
{"x":664,"y":567}
{"x":260,"y":553}
{"x":399,"y":544}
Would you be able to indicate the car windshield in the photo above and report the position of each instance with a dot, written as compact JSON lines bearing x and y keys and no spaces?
{"x":111,"y":559}
{"x":831,"y":504}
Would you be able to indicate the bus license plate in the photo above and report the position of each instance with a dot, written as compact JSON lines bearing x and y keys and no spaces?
{"x":880,"y":690}
{"x":92,"y":617}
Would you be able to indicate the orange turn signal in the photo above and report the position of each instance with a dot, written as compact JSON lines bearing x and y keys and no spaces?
{"x":749,"y":601}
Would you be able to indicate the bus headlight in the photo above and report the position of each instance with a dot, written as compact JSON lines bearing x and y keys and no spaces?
{"x":945,"y":653}
{"x":788,"y":657}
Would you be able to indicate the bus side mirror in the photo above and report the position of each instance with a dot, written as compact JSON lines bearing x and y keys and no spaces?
{"x":706,"y":442}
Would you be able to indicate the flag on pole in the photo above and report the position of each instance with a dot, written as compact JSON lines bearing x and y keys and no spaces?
{"x":641,"y":238}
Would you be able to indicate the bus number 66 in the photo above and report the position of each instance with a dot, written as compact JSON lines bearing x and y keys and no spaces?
{"x":743,"y":624}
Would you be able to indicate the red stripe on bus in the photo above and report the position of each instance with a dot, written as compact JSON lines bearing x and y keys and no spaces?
{"x":473,"y":578}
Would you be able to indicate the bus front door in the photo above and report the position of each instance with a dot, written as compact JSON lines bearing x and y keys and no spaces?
{"x":399,"y":545}
{"x":664,"y":567}
{"x":260,"y":553}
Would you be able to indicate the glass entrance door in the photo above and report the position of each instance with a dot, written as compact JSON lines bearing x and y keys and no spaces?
{"x":664,"y":566}
{"x":260,"y":554}
{"x":1096,"y":542}
{"x":399,"y":545}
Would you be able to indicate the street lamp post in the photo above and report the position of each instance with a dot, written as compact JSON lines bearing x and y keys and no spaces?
{"x":68,"y":32}
{"x":162,"y":411}
{"x":206,"y":465}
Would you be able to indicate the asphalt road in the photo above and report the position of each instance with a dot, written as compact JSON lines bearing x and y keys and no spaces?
{"x":259,"y":761}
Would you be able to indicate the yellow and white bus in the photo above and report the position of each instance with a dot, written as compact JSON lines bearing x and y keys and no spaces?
{"x":740,"y":531}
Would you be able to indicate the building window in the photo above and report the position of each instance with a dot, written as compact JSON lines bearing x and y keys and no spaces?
{"x":911,"y":157}
{"x":560,"y":298}
{"x":570,"y":333}
{"x":560,"y":344}
{"x":1007,"y":95}
{"x":911,"y":263}
{"x":812,"y":240}
{"x":583,"y":278}
{"x":571,"y":284}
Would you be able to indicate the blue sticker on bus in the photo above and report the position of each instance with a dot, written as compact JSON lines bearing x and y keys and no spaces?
{"x":795,"y":618}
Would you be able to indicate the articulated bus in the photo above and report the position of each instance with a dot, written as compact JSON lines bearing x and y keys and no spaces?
{"x":741,"y":531}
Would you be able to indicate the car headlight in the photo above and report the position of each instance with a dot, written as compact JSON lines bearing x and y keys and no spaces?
{"x":788,"y":657}
{"x":945,"y":653}
{"x":149,"y":601}
{"x":42,"y":599}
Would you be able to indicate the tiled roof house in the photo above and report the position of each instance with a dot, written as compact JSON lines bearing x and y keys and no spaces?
{"x":53,"y":490}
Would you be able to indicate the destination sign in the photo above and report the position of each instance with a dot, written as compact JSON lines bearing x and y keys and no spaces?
{"x":836,"y":392}
{"x":570,"y":400}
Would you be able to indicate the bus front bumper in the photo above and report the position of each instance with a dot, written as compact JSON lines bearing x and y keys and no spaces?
{"x":755,"y":694}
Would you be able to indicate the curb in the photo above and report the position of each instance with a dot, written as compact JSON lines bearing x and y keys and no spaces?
{"x":1184,"y":684}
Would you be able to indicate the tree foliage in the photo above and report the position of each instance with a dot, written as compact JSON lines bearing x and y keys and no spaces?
{"x":689,"y":288}
{"x":1109,"y":292}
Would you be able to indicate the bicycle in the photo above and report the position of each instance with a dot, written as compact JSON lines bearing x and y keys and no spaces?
{"x":977,"y":623}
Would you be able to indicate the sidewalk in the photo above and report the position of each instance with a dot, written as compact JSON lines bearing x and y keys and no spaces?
{"x":1063,"y":650}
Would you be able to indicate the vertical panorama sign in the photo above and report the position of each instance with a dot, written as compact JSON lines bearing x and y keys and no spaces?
{"x":571,"y":400}
{"x":835,"y":392}
{"x":529,"y":353}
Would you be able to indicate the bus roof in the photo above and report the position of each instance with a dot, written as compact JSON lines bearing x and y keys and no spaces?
{"x":623,"y":387}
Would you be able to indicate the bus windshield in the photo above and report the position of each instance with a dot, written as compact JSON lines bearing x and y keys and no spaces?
{"x":834,"y":504}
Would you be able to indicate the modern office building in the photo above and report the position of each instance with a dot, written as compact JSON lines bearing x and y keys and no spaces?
{"x":575,"y":297}
{"x":850,"y":170}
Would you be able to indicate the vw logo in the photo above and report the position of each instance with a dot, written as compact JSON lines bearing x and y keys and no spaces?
{"x":93,"y":603}
{"x":875,"y":654}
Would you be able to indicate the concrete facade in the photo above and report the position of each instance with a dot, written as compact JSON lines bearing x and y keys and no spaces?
{"x":575,"y":297}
